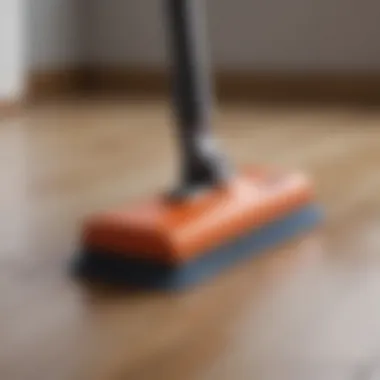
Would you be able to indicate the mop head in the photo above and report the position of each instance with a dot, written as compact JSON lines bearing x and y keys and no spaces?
{"x":162,"y":244}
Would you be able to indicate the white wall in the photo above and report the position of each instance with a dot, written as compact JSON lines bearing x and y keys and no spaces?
{"x":39,"y":35}
{"x":56,"y":33}
{"x":12,"y":59}
{"x":248,"y":34}
{"x":127,"y":31}
{"x":252,"y":34}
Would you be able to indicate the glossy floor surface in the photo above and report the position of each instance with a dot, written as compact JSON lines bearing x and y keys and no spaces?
{"x":310,"y":310}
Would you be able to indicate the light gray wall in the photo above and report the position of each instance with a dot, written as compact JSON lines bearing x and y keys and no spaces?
{"x":249,"y":34}
{"x":12,"y":58}
{"x":56,"y":33}
{"x":128,"y":31}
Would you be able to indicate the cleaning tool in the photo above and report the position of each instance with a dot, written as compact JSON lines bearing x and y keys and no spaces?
{"x":215,"y":217}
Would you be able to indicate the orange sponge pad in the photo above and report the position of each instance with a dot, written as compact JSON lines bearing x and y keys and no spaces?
{"x":173,"y":232}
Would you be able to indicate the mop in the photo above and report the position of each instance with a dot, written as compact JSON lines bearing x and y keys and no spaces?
{"x":215,"y":218}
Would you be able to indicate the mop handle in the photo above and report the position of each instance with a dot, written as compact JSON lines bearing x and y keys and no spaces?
{"x":190,"y":69}
{"x":192,"y":92}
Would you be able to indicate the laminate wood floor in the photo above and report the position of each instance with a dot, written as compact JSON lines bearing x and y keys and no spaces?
{"x":307,"y":311}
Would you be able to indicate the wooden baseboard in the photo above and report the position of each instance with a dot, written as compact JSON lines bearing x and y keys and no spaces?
{"x":242,"y":85}
{"x":252,"y":85}
{"x":304,"y":87}
{"x":45,"y":84}
{"x":149,"y":81}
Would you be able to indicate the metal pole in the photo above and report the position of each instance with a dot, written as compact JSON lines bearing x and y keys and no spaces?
{"x":202,"y":165}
